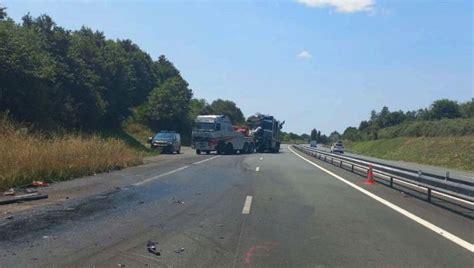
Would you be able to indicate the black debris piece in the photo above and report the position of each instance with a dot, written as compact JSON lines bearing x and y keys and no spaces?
{"x":179,"y":250}
{"x":151,"y":246}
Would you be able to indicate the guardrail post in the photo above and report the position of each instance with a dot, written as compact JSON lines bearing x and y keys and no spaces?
{"x":391,"y":182}
{"x":419,"y":173}
{"x":429,"y":194}
{"x":332,"y":160}
{"x":340,"y":163}
{"x":352,"y":168}
{"x":447,"y":176}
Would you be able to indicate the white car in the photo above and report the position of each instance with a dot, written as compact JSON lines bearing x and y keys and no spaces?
{"x":337,"y":147}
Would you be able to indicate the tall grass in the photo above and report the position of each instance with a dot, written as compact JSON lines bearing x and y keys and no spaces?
{"x":27,"y":156}
{"x":452,"y":152}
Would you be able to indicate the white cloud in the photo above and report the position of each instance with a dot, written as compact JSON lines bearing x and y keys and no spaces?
{"x":343,"y":6}
{"x":304,"y":55}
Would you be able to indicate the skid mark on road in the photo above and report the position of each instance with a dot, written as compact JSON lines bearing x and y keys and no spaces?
{"x":261,"y":250}
{"x":432,"y":227}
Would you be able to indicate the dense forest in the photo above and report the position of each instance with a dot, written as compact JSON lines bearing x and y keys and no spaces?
{"x":54,"y":78}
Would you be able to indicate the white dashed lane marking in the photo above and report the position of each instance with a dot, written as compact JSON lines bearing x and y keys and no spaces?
{"x":247,"y":205}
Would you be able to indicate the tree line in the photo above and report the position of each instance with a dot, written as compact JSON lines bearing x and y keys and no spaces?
{"x":442,"y":117}
{"x":55,"y":78}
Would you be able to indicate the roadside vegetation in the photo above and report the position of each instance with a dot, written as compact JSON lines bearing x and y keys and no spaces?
{"x":27,"y":156}
{"x":442,"y":135}
{"x":452,"y":152}
{"x":89,"y":103}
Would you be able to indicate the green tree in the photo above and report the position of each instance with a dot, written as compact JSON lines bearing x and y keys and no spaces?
{"x":3,"y":13}
{"x":351,"y":133}
{"x":314,"y":134}
{"x":228,"y":108}
{"x":363,"y":125}
{"x":335,"y":136}
{"x":444,"y":108}
{"x":198,"y":107}
{"x":168,"y":105}
{"x":467,"y":109}
{"x":305,"y":137}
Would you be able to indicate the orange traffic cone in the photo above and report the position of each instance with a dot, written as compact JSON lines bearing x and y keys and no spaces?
{"x":370,"y":176}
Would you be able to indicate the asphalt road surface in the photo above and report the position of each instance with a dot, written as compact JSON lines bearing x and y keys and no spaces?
{"x":258,"y":210}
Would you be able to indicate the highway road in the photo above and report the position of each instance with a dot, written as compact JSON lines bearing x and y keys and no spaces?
{"x":257,"y":210}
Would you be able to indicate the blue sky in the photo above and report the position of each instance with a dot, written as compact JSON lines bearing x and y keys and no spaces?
{"x":321,"y":64}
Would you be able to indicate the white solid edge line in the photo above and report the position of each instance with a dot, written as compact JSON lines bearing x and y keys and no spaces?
{"x":172,"y":171}
{"x":432,"y":227}
{"x":159,"y":176}
{"x":205,"y":160}
{"x":257,"y":169}
{"x":247,"y":205}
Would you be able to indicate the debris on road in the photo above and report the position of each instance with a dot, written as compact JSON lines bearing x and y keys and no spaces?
{"x":23,"y":198}
{"x":30,"y":190}
{"x":141,"y":202}
{"x":151,"y":246}
{"x":9,"y":217}
{"x":9,"y":192}
{"x":179,"y":250}
{"x":39,"y":184}
{"x":178,"y":202}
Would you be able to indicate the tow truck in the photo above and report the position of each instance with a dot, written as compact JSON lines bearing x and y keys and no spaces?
{"x":216,"y":133}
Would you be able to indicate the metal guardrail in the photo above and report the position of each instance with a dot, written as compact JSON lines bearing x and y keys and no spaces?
{"x":452,"y":187}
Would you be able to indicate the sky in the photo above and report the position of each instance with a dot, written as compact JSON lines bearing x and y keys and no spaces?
{"x":321,"y":64}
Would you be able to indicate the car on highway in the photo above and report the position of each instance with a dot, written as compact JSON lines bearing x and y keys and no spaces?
{"x":166,"y":141}
{"x":337,"y":147}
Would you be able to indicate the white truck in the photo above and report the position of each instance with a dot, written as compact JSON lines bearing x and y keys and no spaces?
{"x":216,"y":133}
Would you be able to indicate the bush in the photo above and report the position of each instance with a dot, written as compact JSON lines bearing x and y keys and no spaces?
{"x":439,"y":128}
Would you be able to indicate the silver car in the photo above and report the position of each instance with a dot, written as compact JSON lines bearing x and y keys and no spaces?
{"x":337,"y":147}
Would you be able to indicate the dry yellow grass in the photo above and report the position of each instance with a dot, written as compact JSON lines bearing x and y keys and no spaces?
{"x":26,"y":157}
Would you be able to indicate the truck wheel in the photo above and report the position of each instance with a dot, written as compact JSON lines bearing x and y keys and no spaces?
{"x":220,"y":148}
{"x":245,"y":150}
{"x":277,"y":147}
{"x":198,"y":152}
{"x":229,"y":148}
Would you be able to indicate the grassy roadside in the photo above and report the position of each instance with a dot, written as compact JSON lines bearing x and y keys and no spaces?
{"x":28,"y":156}
{"x":450,"y":152}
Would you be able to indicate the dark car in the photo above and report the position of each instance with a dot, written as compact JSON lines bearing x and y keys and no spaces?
{"x":167,"y":141}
